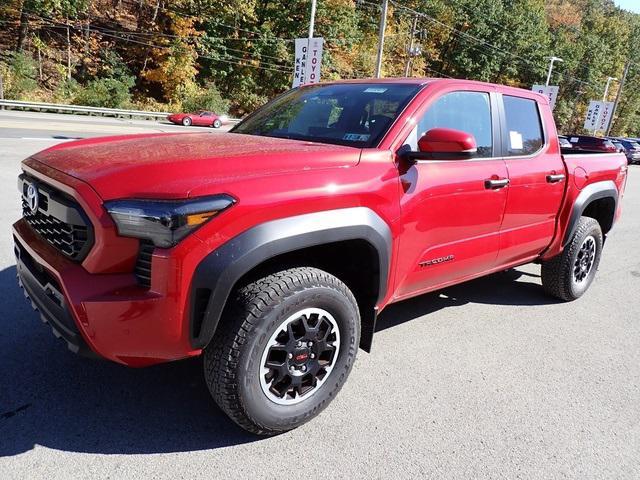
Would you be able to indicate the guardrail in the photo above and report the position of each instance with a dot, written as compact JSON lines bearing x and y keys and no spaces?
{"x":105,"y":112}
{"x":57,"y":107}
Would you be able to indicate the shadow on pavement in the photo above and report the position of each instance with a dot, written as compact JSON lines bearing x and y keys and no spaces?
{"x":497,"y":289}
{"x":50,"y":397}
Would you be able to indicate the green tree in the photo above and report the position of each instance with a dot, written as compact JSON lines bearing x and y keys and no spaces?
{"x":19,"y":76}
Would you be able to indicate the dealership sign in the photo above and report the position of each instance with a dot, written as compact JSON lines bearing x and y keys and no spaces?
{"x":308,"y":60}
{"x":598,"y":115}
{"x":549,"y":91}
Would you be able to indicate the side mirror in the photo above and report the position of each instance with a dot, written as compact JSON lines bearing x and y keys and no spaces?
{"x":445,"y":144}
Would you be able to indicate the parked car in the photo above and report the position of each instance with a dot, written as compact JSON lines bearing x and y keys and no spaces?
{"x":200,"y":119}
{"x":592,"y":144}
{"x":272,"y":249}
{"x":564,"y":142}
{"x":631,"y":149}
{"x":617,"y":144}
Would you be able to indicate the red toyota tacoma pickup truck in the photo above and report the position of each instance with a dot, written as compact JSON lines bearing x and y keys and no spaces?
{"x":270,"y":250}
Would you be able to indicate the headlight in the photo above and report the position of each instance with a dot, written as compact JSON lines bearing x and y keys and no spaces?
{"x":165,"y":222}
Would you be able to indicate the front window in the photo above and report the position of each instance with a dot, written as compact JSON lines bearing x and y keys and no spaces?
{"x":466,"y":111}
{"x":354,"y":114}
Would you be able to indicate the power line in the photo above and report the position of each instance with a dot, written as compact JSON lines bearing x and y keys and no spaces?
{"x":269,"y":66}
{"x":480,"y":41}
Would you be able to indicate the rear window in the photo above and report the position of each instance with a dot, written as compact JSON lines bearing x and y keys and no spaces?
{"x":523,"y":126}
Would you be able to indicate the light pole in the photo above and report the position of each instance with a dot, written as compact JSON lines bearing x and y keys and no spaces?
{"x":312,"y":21}
{"x":552,"y":60}
{"x":604,"y":99}
{"x":606,"y":88}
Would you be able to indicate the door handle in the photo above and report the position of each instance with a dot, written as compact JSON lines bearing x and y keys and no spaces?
{"x":555,"y":178}
{"x":496,"y":184}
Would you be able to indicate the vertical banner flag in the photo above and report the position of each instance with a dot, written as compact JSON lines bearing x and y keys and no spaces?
{"x":314,"y":59}
{"x":598,"y":115}
{"x":550,"y":91}
{"x":308,"y":52}
{"x":300,"y":65}
{"x":593,"y":115}
{"x":605,"y":116}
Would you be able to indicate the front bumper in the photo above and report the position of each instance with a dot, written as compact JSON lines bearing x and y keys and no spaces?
{"x":105,"y":314}
{"x":43,"y":291}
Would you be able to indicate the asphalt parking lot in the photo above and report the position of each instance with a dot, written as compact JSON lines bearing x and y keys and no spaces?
{"x":489,"y":379}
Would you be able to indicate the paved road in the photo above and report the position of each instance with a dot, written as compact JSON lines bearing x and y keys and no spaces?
{"x":489,"y":379}
{"x":45,"y":126}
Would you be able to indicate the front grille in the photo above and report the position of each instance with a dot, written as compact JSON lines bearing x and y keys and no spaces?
{"x":57,"y":218}
{"x":143,"y":263}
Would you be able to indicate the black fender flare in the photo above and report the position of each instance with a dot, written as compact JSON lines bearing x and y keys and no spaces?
{"x":221,"y":269}
{"x":594,"y":191}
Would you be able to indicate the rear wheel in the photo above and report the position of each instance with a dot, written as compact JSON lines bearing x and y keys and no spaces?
{"x":570,"y":274}
{"x":186,"y":121}
{"x":217,"y":123}
{"x":283,"y":349}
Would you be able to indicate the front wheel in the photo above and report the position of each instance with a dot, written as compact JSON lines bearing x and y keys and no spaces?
{"x":568,"y":275}
{"x":283,"y":349}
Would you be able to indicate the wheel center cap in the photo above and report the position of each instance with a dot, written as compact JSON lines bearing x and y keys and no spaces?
{"x":300,"y":356}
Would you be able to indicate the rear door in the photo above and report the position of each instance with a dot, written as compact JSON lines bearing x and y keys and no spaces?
{"x":452,"y":209}
{"x":537,"y":178}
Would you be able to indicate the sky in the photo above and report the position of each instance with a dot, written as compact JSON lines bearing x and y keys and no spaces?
{"x":632,"y":5}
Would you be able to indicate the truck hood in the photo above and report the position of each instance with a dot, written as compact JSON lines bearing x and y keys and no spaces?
{"x":171,"y":165}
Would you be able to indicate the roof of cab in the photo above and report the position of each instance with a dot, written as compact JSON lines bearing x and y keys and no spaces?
{"x":431,"y":80}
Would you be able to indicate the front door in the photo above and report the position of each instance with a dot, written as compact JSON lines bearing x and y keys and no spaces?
{"x":452,"y":210}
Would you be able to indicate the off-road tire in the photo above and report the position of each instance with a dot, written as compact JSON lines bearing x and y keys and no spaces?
{"x":255,"y":311}
{"x":558,"y":273}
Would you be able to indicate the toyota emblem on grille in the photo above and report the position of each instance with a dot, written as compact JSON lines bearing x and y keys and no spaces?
{"x":32,"y":197}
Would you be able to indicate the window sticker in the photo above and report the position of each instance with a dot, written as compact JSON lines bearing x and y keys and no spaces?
{"x":356,"y":137}
{"x":515,"y":138}
{"x":375,"y":90}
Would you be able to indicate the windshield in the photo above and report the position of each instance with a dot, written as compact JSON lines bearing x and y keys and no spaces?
{"x":357,"y":115}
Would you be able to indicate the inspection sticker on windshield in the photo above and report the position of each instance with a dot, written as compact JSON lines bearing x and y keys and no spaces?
{"x":375,"y":90}
{"x":356,"y":137}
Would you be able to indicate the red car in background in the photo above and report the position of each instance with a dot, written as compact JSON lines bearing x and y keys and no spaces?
{"x":200,"y":119}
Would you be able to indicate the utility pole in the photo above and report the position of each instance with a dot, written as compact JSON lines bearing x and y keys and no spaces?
{"x":383,"y":26}
{"x":553,"y":59}
{"x":1,"y":90}
{"x":618,"y":95}
{"x":312,"y":21}
{"x":68,"y":52}
{"x":407,"y":65}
